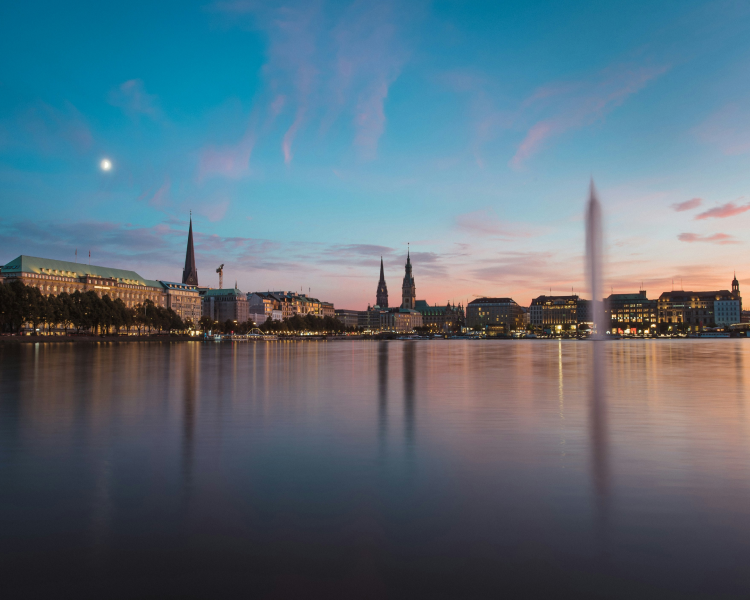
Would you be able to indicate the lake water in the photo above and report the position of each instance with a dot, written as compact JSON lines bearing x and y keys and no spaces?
{"x":366,"y":469}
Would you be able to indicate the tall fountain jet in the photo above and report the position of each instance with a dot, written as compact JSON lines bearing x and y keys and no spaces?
{"x":594,"y":261}
{"x":597,"y":404}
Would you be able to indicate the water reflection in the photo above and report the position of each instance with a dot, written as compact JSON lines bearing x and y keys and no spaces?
{"x":598,"y":434}
{"x":207,"y":468}
{"x":382,"y":391}
{"x":410,"y":349}
{"x":190,"y":368}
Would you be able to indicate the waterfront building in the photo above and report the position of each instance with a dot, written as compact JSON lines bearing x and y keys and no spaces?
{"x":693,"y":311}
{"x":554,"y":313}
{"x":190,"y":273}
{"x":584,"y":313}
{"x":440,"y":318}
{"x":408,"y":288}
{"x":381,"y":296}
{"x":399,"y":320}
{"x":350,"y":318}
{"x":327,"y":309}
{"x":631,"y":313}
{"x":224,"y":305}
{"x":53,"y":277}
{"x":184,"y":299}
{"x":257,"y":318}
{"x":499,"y":313}
{"x":262,"y":303}
{"x":727,"y":312}
{"x":290,"y":304}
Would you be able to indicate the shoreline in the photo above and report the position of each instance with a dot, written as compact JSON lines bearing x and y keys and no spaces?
{"x":72,"y":339}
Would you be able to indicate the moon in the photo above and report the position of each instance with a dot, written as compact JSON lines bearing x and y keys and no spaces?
{"x":106,"y":164}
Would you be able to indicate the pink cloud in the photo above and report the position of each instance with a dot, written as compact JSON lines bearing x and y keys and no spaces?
{"x":728,"y":129}
{"x":687,"y":205}
{"x":51,"y":130}
{"x":533,"y":141}
{"x":132,"y":98}
{"x":572,"y":105}
{"x":213,"y":211}
{"x":232,"y":161}
{"x":160,"y":198}
{"x":323,"y":68}
{"x":730,"y":209}
{"x":286,"y":144}
{"x":716,"y":238}
{"x":486,"y":223}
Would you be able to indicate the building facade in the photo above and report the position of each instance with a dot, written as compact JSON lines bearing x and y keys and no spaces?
{"x":727,"y":312}
{"x":53,"y":277}
{"x":183,"y":299}
{"x":694,"y":311}
{"x":350,"y":318}
{"x":289,"y":304}
{"x":408,"y":288}
{"x":224,"y":305}
{"x":440,"y":318}
{"x":554,"y":312}
{"x":631,"y":313}
{"x":500,"y":313}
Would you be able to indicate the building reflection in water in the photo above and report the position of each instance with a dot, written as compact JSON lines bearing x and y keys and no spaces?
{"x":382,"y":391}
{"x":191,"y":367}
{"x":409,"y":398}
{"x":599,"y":437}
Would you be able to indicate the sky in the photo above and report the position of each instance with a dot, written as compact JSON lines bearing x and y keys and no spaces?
{"x":311,"y":138}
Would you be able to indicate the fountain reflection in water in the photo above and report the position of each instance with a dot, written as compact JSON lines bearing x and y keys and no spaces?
{"x":597,"y":402}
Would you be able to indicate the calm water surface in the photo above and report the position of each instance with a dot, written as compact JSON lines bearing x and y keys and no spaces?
{"x":423,"y":469}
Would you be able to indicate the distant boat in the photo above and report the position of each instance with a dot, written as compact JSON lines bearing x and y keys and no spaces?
{"x":713,"y":334}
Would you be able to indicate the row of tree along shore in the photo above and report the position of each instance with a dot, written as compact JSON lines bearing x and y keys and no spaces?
{"x":24,"y":307}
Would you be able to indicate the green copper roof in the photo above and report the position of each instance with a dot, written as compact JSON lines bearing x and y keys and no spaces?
{"x":223,"y":292}
{"x":49,"y":266}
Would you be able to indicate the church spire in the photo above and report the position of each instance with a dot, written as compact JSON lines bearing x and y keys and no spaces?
{"x":408,"y":289}
{"x":190,"y":273}
{"x":381,"y":298}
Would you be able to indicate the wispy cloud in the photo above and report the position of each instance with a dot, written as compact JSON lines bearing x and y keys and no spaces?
{"x":232,"y":161}
{"x":687,"y":205}
{"x":728,"y":129}
{"x":160,"y":198}
{"x":48,"y":129}
{"x":486,"y":223}
{"x":716,"y":238}
{"x":730,"y":209}
{"x":131,"y":96}
{"x":321,"y":66}
{"x":565,"y":106}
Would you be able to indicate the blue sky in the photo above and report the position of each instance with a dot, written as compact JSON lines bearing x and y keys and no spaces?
{"x":310,"y":138}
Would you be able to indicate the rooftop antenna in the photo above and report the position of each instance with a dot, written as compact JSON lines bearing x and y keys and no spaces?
{"x":76,"y":255}
{"x":89,"y":257}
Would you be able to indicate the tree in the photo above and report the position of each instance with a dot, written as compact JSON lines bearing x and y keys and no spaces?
{"x":205,"y":323}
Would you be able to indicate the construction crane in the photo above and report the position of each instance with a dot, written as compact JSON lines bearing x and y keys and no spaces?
{"x":220,"y":271}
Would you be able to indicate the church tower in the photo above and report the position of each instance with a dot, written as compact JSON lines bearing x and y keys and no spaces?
{"x":408,"y":289}
{"x":735,"y":286}
{"x":381,"y":298}
{"x":190,"y":273}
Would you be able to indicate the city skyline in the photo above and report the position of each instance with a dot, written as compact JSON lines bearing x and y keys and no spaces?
{"x":310,"y":139}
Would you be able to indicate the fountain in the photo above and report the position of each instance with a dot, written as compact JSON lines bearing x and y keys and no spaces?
{"x":594,"y":262}
{"x":597,"y":405}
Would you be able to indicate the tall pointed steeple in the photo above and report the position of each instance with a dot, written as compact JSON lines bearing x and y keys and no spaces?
{"x":190,"y":273}
{"x":408,"y":289}
{"x":381,"y":298}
